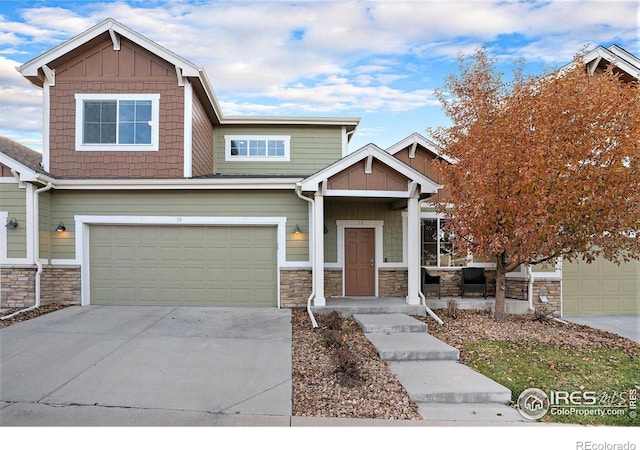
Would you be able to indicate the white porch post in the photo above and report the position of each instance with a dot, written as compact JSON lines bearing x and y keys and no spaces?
{"x":318,"y":254}
{"x":413,"y":250}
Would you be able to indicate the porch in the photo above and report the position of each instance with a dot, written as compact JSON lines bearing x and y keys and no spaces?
{"x":388,"y":305}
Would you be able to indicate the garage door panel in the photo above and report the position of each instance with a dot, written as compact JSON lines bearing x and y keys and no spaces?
{"x":216,"y":275}
{"x":262,"y":254}
{"x":241,"y":275}
{"x":263,"y":275}
{"x":241,"y":254}
{"x":602,"y":287}
{"x":183,"y":265}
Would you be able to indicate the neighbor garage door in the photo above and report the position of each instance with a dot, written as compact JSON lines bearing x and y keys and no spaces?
{"x":183,"y":265}
{"x":601,"y":287}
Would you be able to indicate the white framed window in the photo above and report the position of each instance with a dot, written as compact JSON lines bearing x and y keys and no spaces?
{"x":256,"y":148}
{"x":437,"y":245}
{"x":117,"y":122}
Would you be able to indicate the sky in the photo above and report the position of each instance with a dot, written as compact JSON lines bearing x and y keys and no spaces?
{"x":378,"y":60}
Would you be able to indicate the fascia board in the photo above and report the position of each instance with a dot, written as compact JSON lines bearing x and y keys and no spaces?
{"x":285,"y":120}
{"x":424,"y":142}
{"x":614,"y":58}
{"x":179,"y":184}
{"x":26,"y":173}
{"x":625,"y":55}
{"x":31,"y":68}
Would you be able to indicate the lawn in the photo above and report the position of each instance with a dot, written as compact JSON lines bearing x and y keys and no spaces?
{"x":592,"y":376}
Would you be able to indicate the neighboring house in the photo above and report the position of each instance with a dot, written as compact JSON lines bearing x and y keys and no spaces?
{"x":603,"y":287}
{"x":146,"y":194}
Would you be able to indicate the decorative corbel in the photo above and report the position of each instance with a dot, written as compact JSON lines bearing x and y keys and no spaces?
{"x":368,"y":163}
{"x":115,"y":39}
{"x":180,"y":77}
{"x":412,"y":151}
{"x":49,"y":75}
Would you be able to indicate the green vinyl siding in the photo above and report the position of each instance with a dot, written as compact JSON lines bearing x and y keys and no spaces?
{"x":66,"y":204}
{"x":46,"y":231}
{"x":312,"y":148}
{"x":13,"y":200}
{"x":601,"y":287}
{"x":364,"y":209}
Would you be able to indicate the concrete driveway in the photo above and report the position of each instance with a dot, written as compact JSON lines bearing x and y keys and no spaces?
{"x":150,"y":366}
{"x":627,"y":326}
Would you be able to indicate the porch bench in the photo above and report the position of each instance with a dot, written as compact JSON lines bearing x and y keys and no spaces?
{"x":430,"y":283}
{"x":474,"y":281}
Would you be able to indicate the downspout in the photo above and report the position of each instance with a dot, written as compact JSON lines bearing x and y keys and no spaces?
{"x":530,"y":287}
{"x":36,"y":249}
{"x":429,"y":310}
{"x":313,"y":260}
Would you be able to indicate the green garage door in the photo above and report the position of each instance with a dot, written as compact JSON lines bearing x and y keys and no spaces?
{"x":601,"y":287}
{"x":183,"y":265}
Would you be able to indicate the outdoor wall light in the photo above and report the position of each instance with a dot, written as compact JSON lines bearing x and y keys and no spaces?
{"x":60,"y":228}
{"x":297,"y":230}
{"x":12,"y":223}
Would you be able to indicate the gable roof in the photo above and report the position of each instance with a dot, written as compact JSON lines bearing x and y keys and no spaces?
{"x":22,"y":159}
{"x":418,"y":139}
{"x":616,"y":55}
{"x":37,"y":70}
{"x":426,"y":185}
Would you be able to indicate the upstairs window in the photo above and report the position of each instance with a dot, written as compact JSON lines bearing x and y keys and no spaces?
{"x":120,"y":122}
{"x":257,"y":148}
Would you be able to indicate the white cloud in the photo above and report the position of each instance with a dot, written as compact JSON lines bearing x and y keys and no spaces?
{"x":329,"y":57}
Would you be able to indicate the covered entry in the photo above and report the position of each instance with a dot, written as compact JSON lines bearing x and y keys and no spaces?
{"x":183,"y":265}
{"x":368,"y":176}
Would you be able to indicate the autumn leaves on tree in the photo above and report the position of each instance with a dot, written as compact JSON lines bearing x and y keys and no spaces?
{"x":546,"y":167}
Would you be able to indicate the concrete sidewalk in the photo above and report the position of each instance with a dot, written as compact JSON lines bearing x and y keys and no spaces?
{"x":94,"y":366}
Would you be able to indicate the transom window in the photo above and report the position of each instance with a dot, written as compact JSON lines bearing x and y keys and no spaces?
{"x":257,"y":148}
{"x":117,"y":122}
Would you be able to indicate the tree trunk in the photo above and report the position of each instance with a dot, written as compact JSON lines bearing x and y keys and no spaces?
{"x":501,"y":289}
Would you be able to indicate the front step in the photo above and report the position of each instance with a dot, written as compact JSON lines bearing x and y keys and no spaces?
{"x":389,"y":323}
{"x":512,"y":306}
{"x":412,"y":347}
{"x":470,"y":412}
{"x":447,"y":382}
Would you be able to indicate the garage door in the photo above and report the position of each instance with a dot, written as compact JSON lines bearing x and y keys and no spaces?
{"x":183,"y":265}
{"x":601,"y":287}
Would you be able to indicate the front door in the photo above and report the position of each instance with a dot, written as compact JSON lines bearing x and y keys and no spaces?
{"x":359,"y":261}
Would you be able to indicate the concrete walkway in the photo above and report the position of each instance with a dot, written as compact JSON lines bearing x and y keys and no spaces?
{"x":443,"y":389}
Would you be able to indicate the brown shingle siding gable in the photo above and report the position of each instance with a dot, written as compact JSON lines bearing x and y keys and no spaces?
{"x":102,"y":70}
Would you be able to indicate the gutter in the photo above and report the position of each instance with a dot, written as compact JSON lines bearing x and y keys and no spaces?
{"x":313,"y":260}
{"x":36,"y":250}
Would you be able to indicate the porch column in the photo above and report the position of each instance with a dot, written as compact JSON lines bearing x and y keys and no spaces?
{"x":413,"y":250}
{"x":318,"y":253}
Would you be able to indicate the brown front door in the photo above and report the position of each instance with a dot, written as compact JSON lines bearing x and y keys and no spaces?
{"x":359,"y":261}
